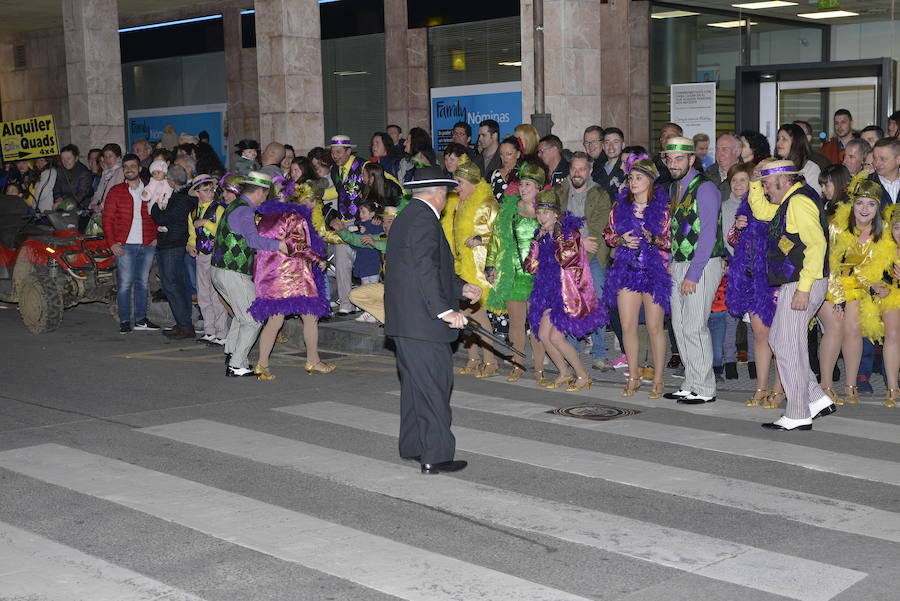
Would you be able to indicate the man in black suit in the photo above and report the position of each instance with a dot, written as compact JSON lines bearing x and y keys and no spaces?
{"x":421,"y":298}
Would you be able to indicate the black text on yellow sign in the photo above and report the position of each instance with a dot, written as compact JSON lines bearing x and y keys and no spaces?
{"x":29,"y":138}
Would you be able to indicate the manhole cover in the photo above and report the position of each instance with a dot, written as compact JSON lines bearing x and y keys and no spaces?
{"x":594,"y":412}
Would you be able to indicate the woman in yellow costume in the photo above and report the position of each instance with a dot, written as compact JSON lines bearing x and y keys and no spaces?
{"x":513,"y":232}
{"x":454,"y":156}
{"x":473,"y":223}
{"x":848,"y":311}
{"x":884,"y":271}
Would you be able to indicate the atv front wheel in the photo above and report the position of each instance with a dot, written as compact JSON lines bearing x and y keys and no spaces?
{"x":40,"y":302}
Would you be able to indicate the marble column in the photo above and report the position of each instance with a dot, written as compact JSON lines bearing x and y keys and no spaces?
{"x":94,"y":72}
{"x":596,"y":57}
{"x":289,"y":73}
{"x":406,"y":69}
{"x":242,"y":118}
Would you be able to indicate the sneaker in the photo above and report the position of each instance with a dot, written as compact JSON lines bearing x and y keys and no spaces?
{"x":679,"y":373}
{"x":674,"y":362}
{"x":146,"y":325}
{"x":865,"y":387}
{"x":208,"y":338}
{"x":366,"y":318}
{"x":602,"y":365}
{"x":620,"y":363}
{"x":218,"y":341}
{"x":125,"y":327}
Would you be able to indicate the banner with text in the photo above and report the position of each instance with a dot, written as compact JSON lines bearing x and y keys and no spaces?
{"x":501,"y":102}
{"x":29,"y":138}
{"x":694,"y":108}
{"x":151,"y":124}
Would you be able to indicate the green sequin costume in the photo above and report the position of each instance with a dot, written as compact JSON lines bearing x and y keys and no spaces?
{"x":506,"y":253}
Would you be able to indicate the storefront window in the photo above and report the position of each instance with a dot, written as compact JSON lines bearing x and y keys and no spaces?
{"x":475,"y":53}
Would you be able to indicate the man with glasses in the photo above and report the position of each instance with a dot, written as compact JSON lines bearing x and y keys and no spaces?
{"x":697,"y":246}
{"x":462,"y":134}
{"x":550,"y":152}
{"x":593,"y":146}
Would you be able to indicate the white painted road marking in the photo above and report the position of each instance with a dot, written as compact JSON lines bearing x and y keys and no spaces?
{"x":755,"y":568}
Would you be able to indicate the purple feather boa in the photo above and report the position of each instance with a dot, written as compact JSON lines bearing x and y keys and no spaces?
{"x":316,"y":244}
{"x":747,"y":287}
{"x":263,"y":308}
{"x":643,"y":269}
{"x":547,"y":292}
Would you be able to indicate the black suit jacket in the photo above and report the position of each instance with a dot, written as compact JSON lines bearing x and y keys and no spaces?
{"x":420,"y":281}
{"x":488,"y":170}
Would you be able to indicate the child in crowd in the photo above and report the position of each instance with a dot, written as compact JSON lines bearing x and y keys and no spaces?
{"x":158,"y":190}
{"x":563,"y":301}
{"x":248,"y":151}
{"x":716,"y":323}
{"x":367,"y":265}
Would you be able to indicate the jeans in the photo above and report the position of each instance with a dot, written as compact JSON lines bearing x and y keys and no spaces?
{"x":190,"y":270}
{"x":717,"y":327}
{"x":132,"y":272}
{"x":175,"y":285}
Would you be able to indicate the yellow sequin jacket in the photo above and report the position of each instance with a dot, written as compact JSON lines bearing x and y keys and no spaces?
{"x":474,"y":217}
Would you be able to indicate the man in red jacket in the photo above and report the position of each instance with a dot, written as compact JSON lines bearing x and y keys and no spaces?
{"x":131,"y":235}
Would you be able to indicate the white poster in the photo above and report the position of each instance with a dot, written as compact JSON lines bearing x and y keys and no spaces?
{"x":694,"y":108}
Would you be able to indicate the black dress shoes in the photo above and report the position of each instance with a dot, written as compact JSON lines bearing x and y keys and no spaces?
{"x":786,"y":424}
{"x":678,"y":394}
{"x":826,"y":411}
{"x":444,"y":466}
{"x":696,"y":399}
{"x":416,"y":458}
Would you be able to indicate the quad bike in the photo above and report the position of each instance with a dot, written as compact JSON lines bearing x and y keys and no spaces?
{"x":49,"y":268}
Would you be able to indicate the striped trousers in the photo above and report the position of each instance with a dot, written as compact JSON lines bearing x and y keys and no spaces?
{"x":690,"y":313}
{"x":788,"y":339}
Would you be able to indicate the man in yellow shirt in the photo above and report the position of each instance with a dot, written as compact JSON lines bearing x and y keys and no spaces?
{"x":797,"y":260}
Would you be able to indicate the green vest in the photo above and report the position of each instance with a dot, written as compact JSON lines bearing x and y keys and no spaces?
{"x":231,"y":251}
{"x":686,"y":224}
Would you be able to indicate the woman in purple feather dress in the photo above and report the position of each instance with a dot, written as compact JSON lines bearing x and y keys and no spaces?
{"x":640,"y":231}
{"x":292,"y":283}
{"x":747,"y":289}
{"x":562,"y":301}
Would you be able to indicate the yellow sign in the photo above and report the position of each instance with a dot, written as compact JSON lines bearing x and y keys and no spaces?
{"x":29,"y":138}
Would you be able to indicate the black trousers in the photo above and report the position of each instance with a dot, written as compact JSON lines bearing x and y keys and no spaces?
{"x":426,"y":380}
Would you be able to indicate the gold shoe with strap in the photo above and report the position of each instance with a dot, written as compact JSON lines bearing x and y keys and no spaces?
{"x":580,"y":383}
{"x":282,"y":338}
{"x":560,"y":381}
{"x":756,"y":401}
{"x":540,"y":379}
{"x":263,"y":373}
{"x":832,"y":395}
{"x":320,"y":368}
{"x":473,"y":366}
{"x":891,"y":399}
{"x":515,"y":374}
{"x":852,"y":397}
{"x":629,"y":391}
{"x":774,"y":400}
{"x":656,"y":391}
{"x":487,"y":370}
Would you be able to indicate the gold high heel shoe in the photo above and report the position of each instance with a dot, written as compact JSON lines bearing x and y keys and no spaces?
{"x":472,"y":367}
{"x":629,"y":391}
{"x":891,"y":399}
{"x":852,"y":397}
{"x":656,"y":391}
{"x":282,"y":338}
{"x":579,"y":384}
{"x":487,"y":370}
{"x":515,"y":374}
{"x":560,"y":381}
{"x":832,"y":395}
{"x":540,"y":379}
{"x":774,"y":400}
{"x":756,"y":402}
{"x":320,"y":368}
{"x":263,"y":373}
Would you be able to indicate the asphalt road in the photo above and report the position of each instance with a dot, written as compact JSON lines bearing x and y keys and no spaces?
{"x":131,"y":468}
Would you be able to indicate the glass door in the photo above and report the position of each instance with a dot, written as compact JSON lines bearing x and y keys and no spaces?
{"x":816,"y":100}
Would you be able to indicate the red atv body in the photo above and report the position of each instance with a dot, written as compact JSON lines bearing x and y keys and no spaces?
{"x":51,"y":271}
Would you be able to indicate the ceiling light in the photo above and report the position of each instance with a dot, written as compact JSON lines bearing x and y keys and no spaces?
{"x":731,"y":24}
{"x":761,"y":5}
{"x":828,"y":14}
{"x":511,"y":64}
{"x":169,"y":23}
{"x":343,"y":73}
{"x":672,"y":14}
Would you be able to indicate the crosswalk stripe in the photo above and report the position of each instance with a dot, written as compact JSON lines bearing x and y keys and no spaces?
{"x":835,"y":424}
{"x":372,"y":561}
{"x":698,"y":554}
{"x":801,"y":507}
{"x":34,"y":567}
{"x":865,"y":468}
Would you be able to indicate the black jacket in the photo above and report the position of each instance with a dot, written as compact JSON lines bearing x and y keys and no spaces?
{"x":609,"y":181}
{"x":488,"y":170}
{"x":175,"y":218}
{"x":419,"y":280}
{"x":76,"y":183}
